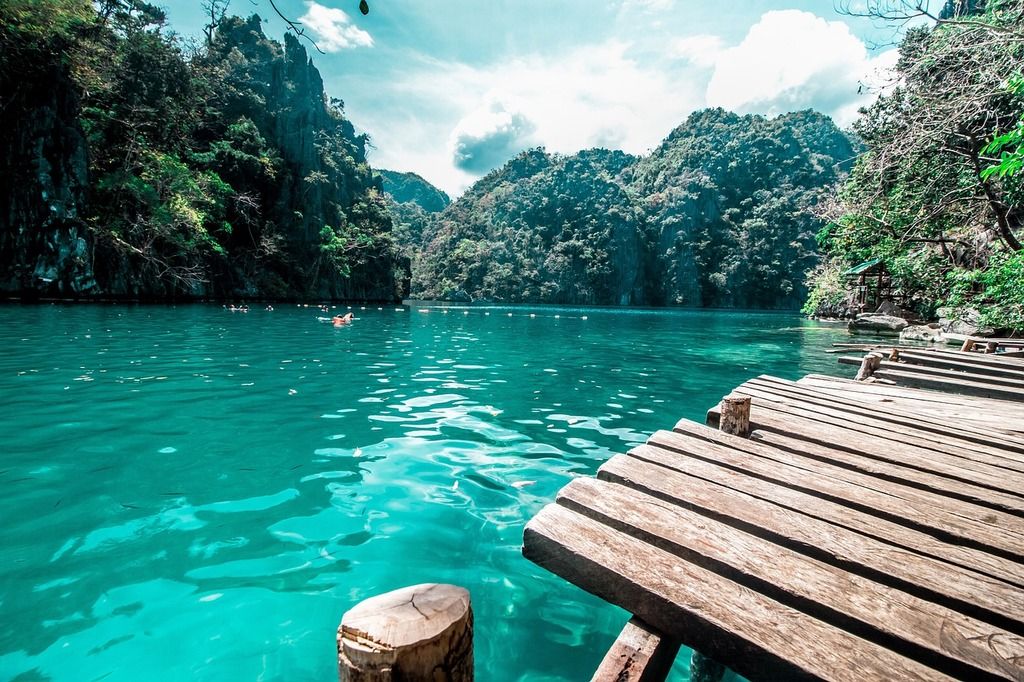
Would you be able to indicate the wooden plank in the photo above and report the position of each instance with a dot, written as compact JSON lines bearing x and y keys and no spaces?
{"x":952,"y":385}
{"x":950,"y":424}
{"x":996,"y":360}
{"x":961,"y":468}
{"x":700,"y":459}
{"x":761,"y":638}
{"x":941,"y":373}
{"x":964,"y":589}
{"x":1004,"y":341}
{"x":945,"y":362}
{"x":866,"y":422}
{"x":1000,"y":415}
{"x":640,"y":654}
{"x":893,"y":469}
{"x":915,"y":627}
{"x":991,"y":530}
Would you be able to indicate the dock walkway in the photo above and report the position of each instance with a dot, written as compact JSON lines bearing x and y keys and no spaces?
{"x":862,"y":530}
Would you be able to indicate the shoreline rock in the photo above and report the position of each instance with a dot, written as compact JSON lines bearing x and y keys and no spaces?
{"x":877,"y":324}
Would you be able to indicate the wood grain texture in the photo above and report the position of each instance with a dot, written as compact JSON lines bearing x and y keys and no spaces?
{"x":863,"y":530}
{"x":951,"y":385}
{"x":834,"y":512}
{"x":915,"y":627}
{"x":759,"y":637}
{"x":640,"y":654}
{"x":950,"y":425}
{"x":421,"y":632}
{"x":964,"y":589}
{"x":837,"y":427}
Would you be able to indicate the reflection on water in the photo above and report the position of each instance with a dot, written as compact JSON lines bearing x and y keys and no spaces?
{"x":197,"y":494}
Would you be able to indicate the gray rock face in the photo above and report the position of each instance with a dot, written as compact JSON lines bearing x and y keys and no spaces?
{"x":965,"y":321}
{"x":43,"y":180}
{"x":930,"y":333}
{"x":889,"y":308}
{"x":878,"y":324}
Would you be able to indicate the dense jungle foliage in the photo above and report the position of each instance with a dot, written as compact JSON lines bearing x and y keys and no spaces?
{"x":137,"y":164}
{"x":718,"y":215}
{"x":938,"y":193}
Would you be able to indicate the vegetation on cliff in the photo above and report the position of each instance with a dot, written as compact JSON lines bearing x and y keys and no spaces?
{"x":937,"y":195}
{"x":717,"y":215}
{"x":137,"y":164}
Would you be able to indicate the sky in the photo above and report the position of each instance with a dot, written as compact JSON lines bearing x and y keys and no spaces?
{"x":453,"y":89}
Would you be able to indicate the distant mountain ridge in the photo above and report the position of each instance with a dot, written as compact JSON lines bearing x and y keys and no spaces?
{"x":407,"y":188}
{"x":718,"y":215}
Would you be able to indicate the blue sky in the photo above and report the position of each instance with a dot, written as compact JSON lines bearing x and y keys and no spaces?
{"x":452,"y":89}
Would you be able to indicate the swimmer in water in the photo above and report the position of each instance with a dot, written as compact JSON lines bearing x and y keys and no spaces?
{"x":340,"y":320}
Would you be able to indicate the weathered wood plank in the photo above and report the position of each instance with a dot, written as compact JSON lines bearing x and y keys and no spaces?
{"x":921,"y":436}
{"x":1000,"y":415}
{"x":915,"y":627}
{"x":640,"y":654}
{"x":943,"y":373}
{"x":862,"y":441}
{"x":705,"y":465}
{"x":949,"y":426}
{"x":921,"y":475}
{"x":963,"y":589}
{"x":954,"y":363}
{"x":999,"y":359}
{"x":951,"y":385}
{"x":761,"y":638}
{"x":988,"y":529}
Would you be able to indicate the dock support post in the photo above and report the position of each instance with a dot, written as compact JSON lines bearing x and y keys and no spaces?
{"x":422,"y":632}
{"x":703,"y":669}
{"x":735,"y":417}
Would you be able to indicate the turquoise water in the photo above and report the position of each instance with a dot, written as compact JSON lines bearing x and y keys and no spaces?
{"x":190,"y":493}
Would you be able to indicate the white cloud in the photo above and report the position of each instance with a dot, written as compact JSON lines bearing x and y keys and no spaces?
{"x":700,"y":50}
{"x":592,"y":95}
{"x":490,"y":135}
{"x":651,"y":5}
{"x":332,"y":29}
{"x":793,"y":60}
{"x":458,"y":120}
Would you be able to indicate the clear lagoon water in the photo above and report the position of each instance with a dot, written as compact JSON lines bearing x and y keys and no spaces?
{"x":194,"y":494}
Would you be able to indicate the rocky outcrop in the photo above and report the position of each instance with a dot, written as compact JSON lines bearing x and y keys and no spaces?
{"x":44,"y":176}
{"x":927,"y":333}
{"x":308,"y":221}
{"x":875,"y":323}
{"x":966,"y":321}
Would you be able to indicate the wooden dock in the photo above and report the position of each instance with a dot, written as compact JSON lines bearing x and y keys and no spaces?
{"x":863,"y":531}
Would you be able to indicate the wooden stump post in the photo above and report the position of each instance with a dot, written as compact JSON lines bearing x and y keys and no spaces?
{"x":423,"y":632}
{"x":870,"y":363}
{"x":735,"y":417}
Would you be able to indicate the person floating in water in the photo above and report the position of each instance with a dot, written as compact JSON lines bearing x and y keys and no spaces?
{"x":340,"y":320}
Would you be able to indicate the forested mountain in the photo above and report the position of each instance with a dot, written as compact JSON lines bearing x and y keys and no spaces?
{"x":135,"y":166}
{"x":717,"y":215}
{"x":410,"y":188}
